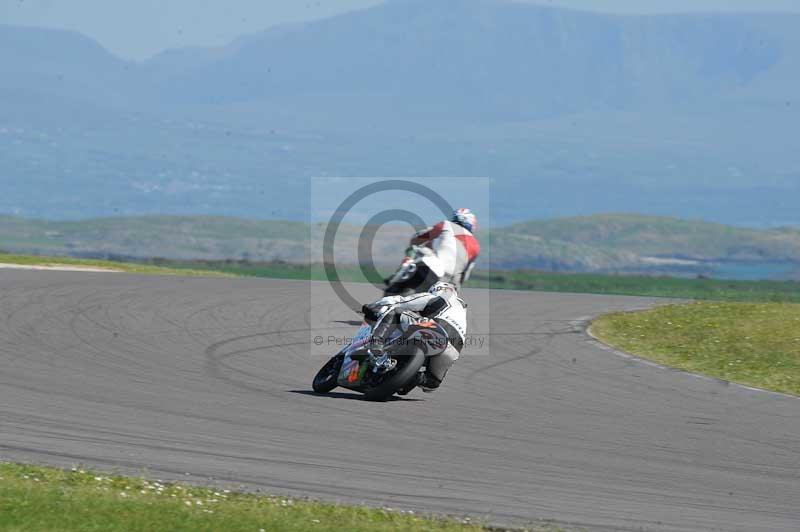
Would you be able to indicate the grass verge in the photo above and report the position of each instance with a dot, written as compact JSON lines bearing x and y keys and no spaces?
{"x":130,"y":267}
{"x":48,"y":499}
{"x":757,"y":344}
{"x":638,"y":285}
{"x":673,"y":287}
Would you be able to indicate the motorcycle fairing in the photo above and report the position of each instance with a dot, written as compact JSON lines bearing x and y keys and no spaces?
{"x":429,"y":336}
{"x":353,"y":371}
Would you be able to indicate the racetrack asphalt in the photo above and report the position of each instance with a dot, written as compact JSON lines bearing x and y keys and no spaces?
{"x":201,"y":379}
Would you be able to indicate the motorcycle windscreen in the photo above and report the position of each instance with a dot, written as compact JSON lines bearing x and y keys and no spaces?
{"x":360,"y":340}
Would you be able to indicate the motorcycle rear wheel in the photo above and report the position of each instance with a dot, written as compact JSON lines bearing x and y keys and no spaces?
{"x":408,"y":365}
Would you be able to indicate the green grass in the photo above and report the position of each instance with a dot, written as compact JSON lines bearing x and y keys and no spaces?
{"x":757,"y":344}
{"x":673,"y":287}
{"x":43,"y":499}
{"x":130,"y":267}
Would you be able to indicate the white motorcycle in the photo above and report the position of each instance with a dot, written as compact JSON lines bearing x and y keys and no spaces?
{"x":394,"y":369}
{"x":409,"y":277}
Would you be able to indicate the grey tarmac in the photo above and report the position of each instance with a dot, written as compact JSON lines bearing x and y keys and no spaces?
{"x":208,"y":380}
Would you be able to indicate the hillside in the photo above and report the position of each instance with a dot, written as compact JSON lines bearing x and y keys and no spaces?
{"x":188,"y":237}
{"x":653,"y":236}
{"x":689,"y":115}
{"x":158,"y":236}
{"x":603,"y":243}
{"x":625,"y":242}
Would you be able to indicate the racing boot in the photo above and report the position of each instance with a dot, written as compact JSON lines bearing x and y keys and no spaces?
{"x":412,"y":384}
{"x":429,"y":383}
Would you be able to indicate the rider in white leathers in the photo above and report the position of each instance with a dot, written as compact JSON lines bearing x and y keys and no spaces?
{"x":441,"y":304}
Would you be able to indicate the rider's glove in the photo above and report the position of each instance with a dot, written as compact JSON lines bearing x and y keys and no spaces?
{"x":372,"y":313}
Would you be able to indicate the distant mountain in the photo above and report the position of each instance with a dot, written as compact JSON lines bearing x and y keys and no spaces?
{"x":469,"y":60}
{"x":619,"y":243}
{"x":60,"y":64}
{"x":570,"y":112}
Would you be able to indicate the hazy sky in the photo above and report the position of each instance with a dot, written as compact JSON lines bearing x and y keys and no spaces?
{"x":140,"y":28}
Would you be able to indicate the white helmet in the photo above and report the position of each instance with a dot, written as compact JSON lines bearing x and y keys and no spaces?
{"x":466,"y":219}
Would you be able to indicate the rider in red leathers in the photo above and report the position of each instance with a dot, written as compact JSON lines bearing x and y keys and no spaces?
{"x":448,"y":253}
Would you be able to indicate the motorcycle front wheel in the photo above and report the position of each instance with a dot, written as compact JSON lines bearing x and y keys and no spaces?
{"x":325,"y":379}
{"x":408,"y":365}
